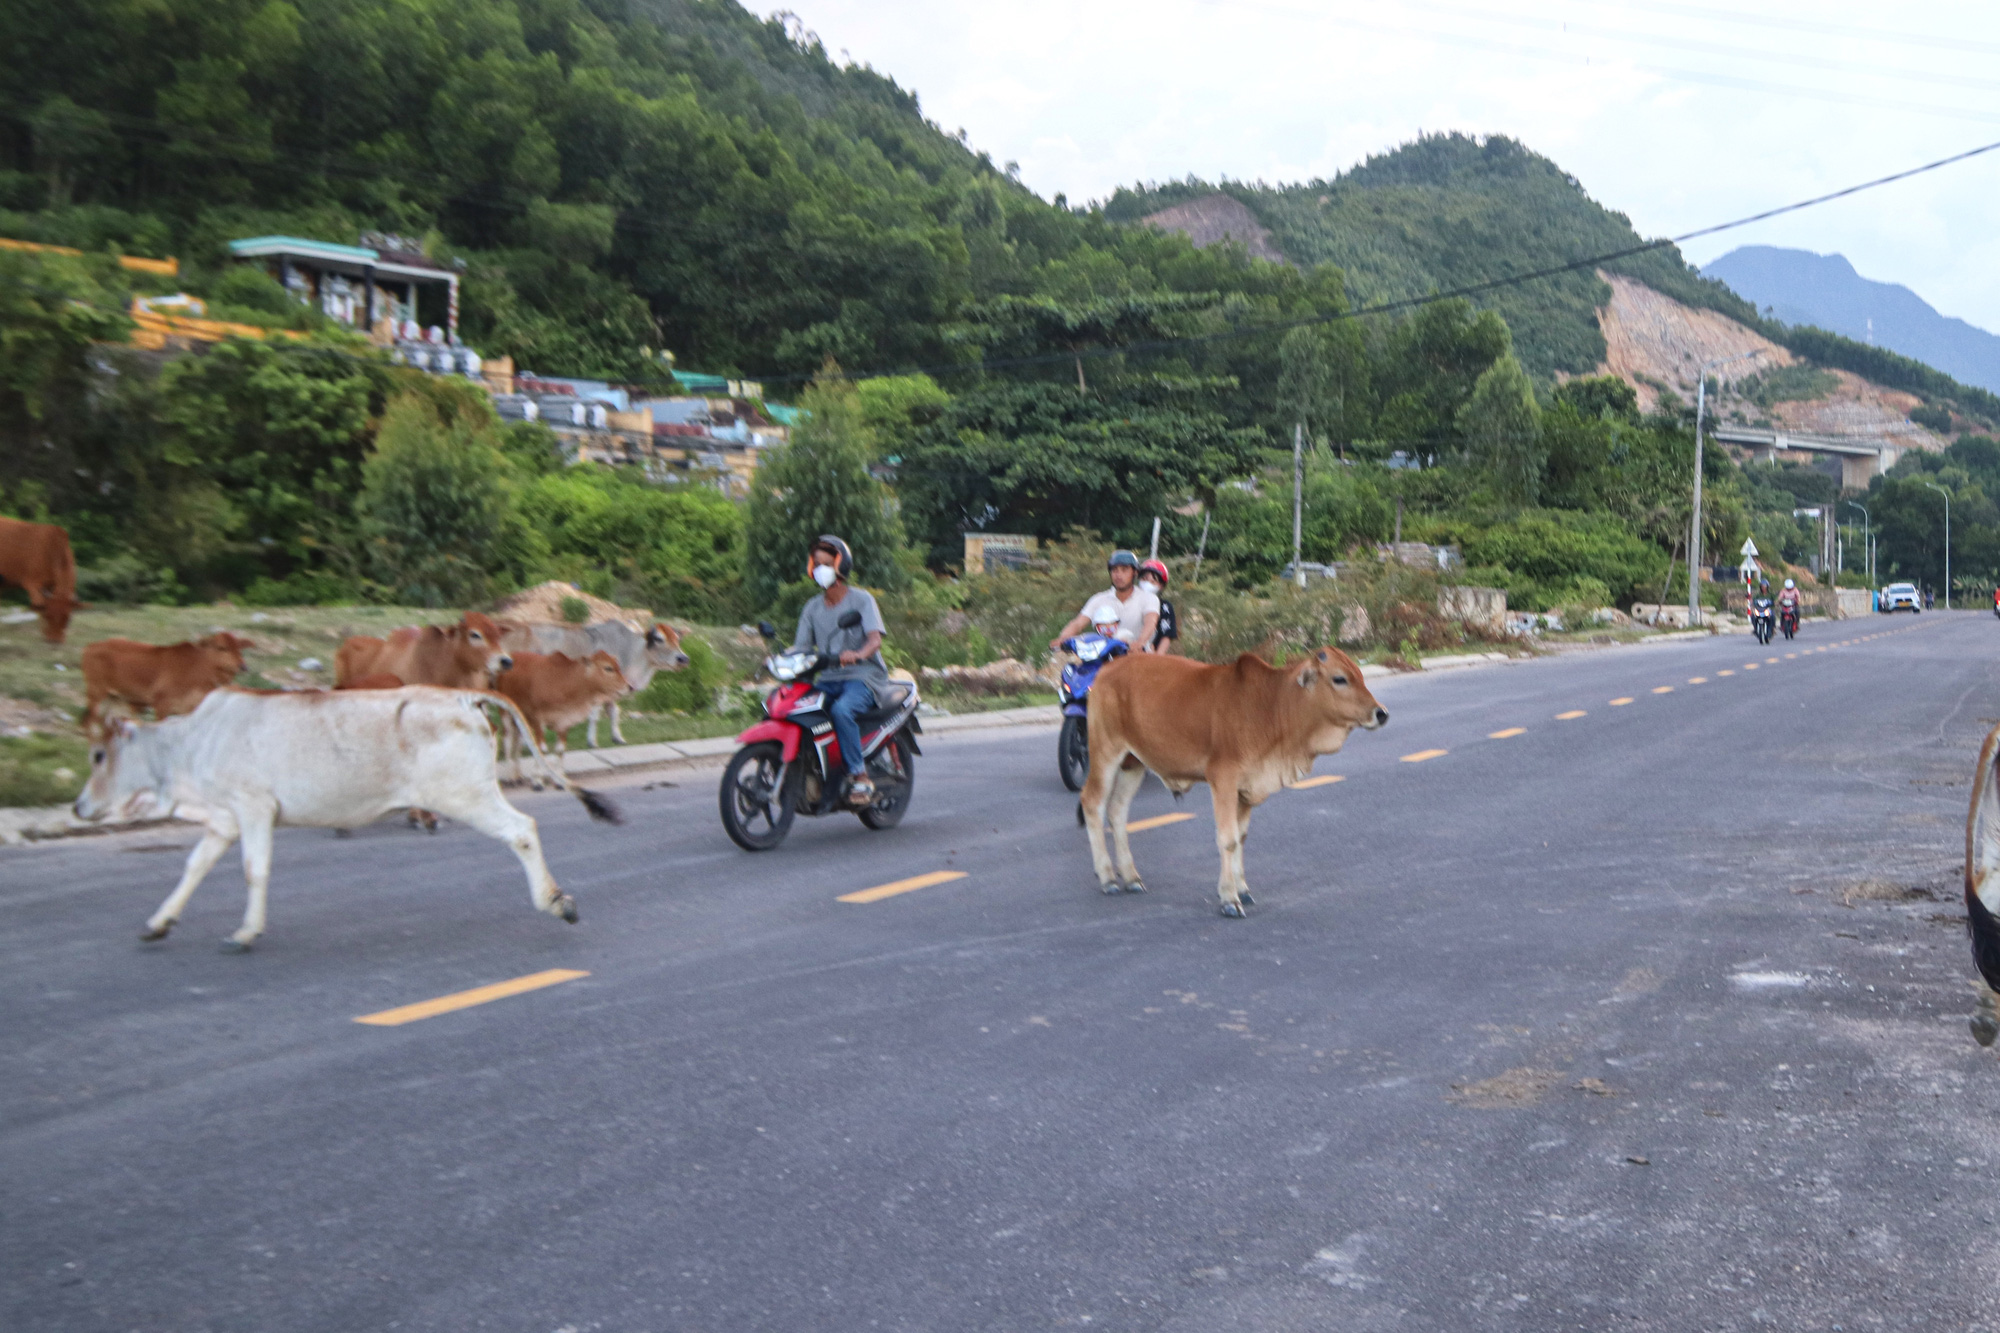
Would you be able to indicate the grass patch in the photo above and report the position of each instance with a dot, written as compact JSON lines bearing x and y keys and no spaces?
{"x":42,"y":769}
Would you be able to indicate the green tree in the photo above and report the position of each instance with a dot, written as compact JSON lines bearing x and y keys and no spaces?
{"x":819,"y":482}
{"x":435,"y":508}
{"x":1323,"y":380}
{"x":1501,"y":427}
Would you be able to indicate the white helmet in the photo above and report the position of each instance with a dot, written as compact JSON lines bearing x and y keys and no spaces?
{"x":1788,"y":583}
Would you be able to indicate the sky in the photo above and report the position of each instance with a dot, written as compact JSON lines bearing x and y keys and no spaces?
{"x":1678,"y":114}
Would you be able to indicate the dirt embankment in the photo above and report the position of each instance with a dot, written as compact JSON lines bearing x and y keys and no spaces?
{"x":1652,"y":340}
{"x":1216,"y":218}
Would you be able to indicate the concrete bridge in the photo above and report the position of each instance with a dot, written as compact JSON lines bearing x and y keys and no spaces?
{"x":1861,"y":456}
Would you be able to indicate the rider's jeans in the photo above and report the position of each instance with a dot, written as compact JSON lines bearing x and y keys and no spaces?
{"x":847,"y":700}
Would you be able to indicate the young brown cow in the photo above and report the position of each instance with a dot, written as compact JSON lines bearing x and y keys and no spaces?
{"x":1247,"y":729}
{"x":556,"y":691}
{"x":462,"y":656}
{"x":170,"y":680}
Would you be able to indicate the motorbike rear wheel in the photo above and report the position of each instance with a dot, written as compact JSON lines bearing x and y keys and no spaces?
{"x":894,"y":769}
{"x":755,"y":814}
{"x":1073,"y":753}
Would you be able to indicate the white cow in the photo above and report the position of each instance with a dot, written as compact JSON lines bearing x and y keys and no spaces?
{"x":640,"y":655}
{"x":245,"y":761}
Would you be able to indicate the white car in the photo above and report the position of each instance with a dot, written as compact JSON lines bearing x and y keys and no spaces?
{"x":1901,"y":597}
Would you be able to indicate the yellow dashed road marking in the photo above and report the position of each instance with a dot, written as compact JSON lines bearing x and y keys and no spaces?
{"x":1725,"y":673}
{"x":1663,"y":689}
{"x":1620,"y":703}
{"x":466,"y":999}
{"x":911,"y":885}
{"x":1320,"y":781}
{"x":1749,"y":666}
{"x":1697,"y":680}
{"x":1422,"y":755}
{"x":1572,"y":713}
{"x":1503,"y":735}
{"x":1157,"y":821}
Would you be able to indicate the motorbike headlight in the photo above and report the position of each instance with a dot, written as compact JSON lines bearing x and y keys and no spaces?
{"x":788,"y":666}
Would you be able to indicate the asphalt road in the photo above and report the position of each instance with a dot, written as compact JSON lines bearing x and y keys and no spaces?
{"x":1649,"y":1018}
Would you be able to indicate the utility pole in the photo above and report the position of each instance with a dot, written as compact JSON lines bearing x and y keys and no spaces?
{"x":1201,"y":548}
{"x":1154,"y":554}
{"x":1867,"y":542}
{"x":1298,"y":500}
{"x":1947,"y":540}
{"x":1694,"y":516}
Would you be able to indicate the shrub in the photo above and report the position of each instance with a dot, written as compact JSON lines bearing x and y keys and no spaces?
{"x":303,"y":588}
{"x":32,"y":769}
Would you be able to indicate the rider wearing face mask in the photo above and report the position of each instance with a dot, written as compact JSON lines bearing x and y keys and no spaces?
{"x":852,"y":687}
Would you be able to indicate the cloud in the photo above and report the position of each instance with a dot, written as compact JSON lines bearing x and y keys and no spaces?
{"x":1676,"y":113}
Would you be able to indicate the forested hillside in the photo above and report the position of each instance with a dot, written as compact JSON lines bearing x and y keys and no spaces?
{"x":621,"y":177}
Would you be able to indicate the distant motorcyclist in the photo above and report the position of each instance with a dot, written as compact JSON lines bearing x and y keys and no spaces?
{"x":1166,"y":635}
{"x":1138,"y":610}
{"x":1788,"y":597}
{"x":852,"y":687}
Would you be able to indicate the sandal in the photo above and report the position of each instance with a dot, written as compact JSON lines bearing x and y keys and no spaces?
{"x":860,"y":791}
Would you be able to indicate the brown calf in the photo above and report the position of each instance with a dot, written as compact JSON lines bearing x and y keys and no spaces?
{"x":462,"y":656}
{"x":1246,"y":729}
{"x":36,"y":557}
{"x":555,"y":691}
{"x":170,"y":680}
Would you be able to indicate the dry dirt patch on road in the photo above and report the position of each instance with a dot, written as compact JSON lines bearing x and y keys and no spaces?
{"x":1519,"y":1087}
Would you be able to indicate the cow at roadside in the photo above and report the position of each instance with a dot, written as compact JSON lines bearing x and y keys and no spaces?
{"x":1246,"y":728}
{"x":246,"y":761}
{"x":35,"y":557}
{"x":556,"y":691}
{"x":169,"y":679}
{"x":464,"y":656}
{"x":640,"y":655}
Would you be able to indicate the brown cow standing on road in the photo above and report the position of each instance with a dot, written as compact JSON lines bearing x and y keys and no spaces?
{"x":556,"y":691}
{"x":462,"y":656}
{"x":170,"y":680}
{"x":36,"y":557}
{"x":1246,"y":729}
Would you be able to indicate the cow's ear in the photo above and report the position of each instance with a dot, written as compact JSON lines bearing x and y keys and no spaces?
{"x":1306,"y":676}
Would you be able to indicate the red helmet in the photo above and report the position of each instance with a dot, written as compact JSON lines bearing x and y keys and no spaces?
{"x":1157,"y":568}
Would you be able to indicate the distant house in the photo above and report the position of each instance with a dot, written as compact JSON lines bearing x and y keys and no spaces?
{"x":359,"y":285}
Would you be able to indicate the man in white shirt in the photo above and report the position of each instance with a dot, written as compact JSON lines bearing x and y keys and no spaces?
{"x":1138,"y":609}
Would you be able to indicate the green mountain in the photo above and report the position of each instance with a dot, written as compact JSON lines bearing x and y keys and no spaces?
{"x":1450,"y":211}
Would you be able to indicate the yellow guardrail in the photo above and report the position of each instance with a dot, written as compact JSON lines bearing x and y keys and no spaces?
{"x":166,"y":268}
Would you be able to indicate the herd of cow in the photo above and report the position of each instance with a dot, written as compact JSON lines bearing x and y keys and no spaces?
{"x":404,"y":726}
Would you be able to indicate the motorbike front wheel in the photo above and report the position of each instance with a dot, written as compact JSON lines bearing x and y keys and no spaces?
{"x":1073,"y":753}
{"x":894,"y":769}
{"x":755,"y":814}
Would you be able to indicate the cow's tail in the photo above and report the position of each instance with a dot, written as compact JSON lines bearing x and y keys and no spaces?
{"x":1982,"y":860}
{"x":601,"y":807}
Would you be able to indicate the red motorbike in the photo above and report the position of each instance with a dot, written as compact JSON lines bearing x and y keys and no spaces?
{"x":791,"y":764}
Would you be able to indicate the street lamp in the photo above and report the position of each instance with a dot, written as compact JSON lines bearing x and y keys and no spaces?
{"x":1867,"y":542}
{"x":1694,"y":516}
{"x":1947,"y":540}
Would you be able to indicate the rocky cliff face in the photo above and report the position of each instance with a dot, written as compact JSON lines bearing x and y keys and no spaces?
{"x":1215,"y":218}
{"x":1653,"y":340}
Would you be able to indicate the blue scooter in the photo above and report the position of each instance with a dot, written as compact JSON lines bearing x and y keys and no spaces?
{"x":1092,"y":650}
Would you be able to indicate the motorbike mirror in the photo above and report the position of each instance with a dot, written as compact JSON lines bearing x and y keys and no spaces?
{"x":850,"y":620}
{"x":767,"y":629}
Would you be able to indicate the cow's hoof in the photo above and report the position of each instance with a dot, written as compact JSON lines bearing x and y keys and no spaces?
{"x":343,"y":833}
{"x":1246,"y":900}
{"x":1135,"y":886}
{"x":566,"y":908}
{"x":1985,"y":1028}
{"x":234,"y":945}
{"x":1111,"y":886}
{"x":1234,"y":910}
{"x":152,"y":933}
